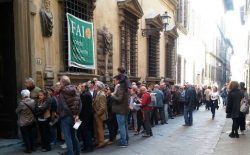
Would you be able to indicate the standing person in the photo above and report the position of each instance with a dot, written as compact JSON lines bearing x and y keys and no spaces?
{"x":100,"y":114}
{"x":233,"y":107}
{"x":43,"y":108}
{"x":242,"y":116}
{"x":182,"y":99}
{"x":121,"y":108}
{"x":70,"y":107}
{"x":92,"y":90}
{"x":167,"y":97}
{"x":175,"y":100}
{"x":26,"y":119}
{"x":159,"y":103}
{"x":124,"y":80}
{"x":224,"y":94}
{"x":215,"y":100}
{"x":146,"y":109}
{"x":111,"y":121}
{"x":86,"y":116}
{"x":190,"y":98}
{"x":207,"y":97}
{"x":199,"y":97}
{"x":134,"y":100}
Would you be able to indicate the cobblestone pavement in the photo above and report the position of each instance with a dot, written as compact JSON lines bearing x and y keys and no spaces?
{"x":169,"y":139}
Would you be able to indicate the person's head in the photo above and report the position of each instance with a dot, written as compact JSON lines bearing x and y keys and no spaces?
{"x":25,"y":93}
{"x":64,"y":81}
{"x":95,"y":79}
{"x":116,"y":80}
{"x":133,"y":83}
{"x":29,"y":83}
{"x":46,"y":4}
{"x":99,"y":86}
{"x":233,"y":85}
{"x":143,"y":89}
{"x":242,"y":85}
{"x":209,"y":87}
{"x":215,"y":89}
{"x":163,"y":85}
{"x":84,"y":87}
{"x":121,"y":70}
{"x":156,"y":86}
{"x":50,"y":91}
{"x":57,"y":87}
{"x":92,"y":84}
{"x":109,"y":90}
{"x":134,"y":90}
{"x":42,"y":95}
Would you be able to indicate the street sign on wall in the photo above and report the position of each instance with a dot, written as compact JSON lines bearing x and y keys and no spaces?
{"x":80,"y":43}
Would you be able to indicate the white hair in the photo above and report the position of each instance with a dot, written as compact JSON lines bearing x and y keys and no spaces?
{"x":25,"y":93}
{"x":29,"y":79}
{"x":100,"y":85}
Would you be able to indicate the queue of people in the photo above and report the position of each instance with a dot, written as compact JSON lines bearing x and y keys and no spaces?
{"x":45,"y":116}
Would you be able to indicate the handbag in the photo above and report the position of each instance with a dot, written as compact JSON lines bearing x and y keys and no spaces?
{"x":244,"y":108}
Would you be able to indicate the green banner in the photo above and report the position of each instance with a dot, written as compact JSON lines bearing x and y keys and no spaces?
{"x":80,"y":43}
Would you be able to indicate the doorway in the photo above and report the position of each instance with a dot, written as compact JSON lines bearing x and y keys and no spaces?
{"x":8,"y":96}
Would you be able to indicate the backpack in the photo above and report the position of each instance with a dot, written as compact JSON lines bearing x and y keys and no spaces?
{"x":153,"y":100}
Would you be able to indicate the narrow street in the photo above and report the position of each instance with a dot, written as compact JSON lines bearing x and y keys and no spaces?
{"x":205,"y":137}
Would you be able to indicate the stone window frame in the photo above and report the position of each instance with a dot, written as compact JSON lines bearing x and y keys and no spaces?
{"x":130,"y":11}
{"x":182,"y":15}
{"x":153,"y":43}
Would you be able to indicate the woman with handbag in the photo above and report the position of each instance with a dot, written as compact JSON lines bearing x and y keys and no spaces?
{"x":26,"y":119}
{"x":233,"y":107}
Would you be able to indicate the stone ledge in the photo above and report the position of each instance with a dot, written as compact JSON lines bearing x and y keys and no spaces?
{"x":77,"y":77}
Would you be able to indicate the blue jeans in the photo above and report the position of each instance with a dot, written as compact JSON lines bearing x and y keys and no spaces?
{"x":70,"y":136}
{"x":188,"y":115}
{"x":123,"y":128}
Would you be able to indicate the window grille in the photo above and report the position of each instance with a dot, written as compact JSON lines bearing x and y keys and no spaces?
{"x":129,"y":43}
{"x":169,"y":57}
{"x":82,"y":9}
{"x":153,"y":54}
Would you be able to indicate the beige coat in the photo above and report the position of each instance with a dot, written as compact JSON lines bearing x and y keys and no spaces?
{"x":100,"y":105}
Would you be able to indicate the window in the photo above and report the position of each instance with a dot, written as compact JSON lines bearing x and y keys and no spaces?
{"x":129,"y":43}
{"x":182,"y":13}
{"x":82,"y":9}
{"x":170,"y":57}
{"x":153,"y":54}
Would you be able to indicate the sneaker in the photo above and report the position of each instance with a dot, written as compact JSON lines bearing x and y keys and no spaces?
{"x":64,"y":146}
{"x":242,"y":132}
{"x":109,"y":142}
{"x":123,"y":145}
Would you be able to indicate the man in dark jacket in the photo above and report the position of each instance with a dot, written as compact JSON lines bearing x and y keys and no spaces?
{"x":70,"y":107}
{"x":86,"y":116}
{"x":190,"y":98}
{"x":121,"y":108}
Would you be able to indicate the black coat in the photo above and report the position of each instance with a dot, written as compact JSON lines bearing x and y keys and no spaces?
{"x":86,"y":115}
{"x":233,"y":104}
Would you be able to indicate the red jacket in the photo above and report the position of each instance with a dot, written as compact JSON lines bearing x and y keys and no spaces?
{"x":145,"y":101}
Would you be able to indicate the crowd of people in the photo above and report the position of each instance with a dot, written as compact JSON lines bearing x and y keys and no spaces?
{"x":46,"y":116}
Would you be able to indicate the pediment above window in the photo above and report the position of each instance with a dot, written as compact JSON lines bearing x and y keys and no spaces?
{"x":131,"y":6}
{"x":155,"y":21}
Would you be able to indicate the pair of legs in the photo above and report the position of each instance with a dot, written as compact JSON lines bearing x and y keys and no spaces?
{"x":188,"y":115}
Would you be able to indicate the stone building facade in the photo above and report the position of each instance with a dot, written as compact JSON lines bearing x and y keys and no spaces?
{"x":28,"y":53}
